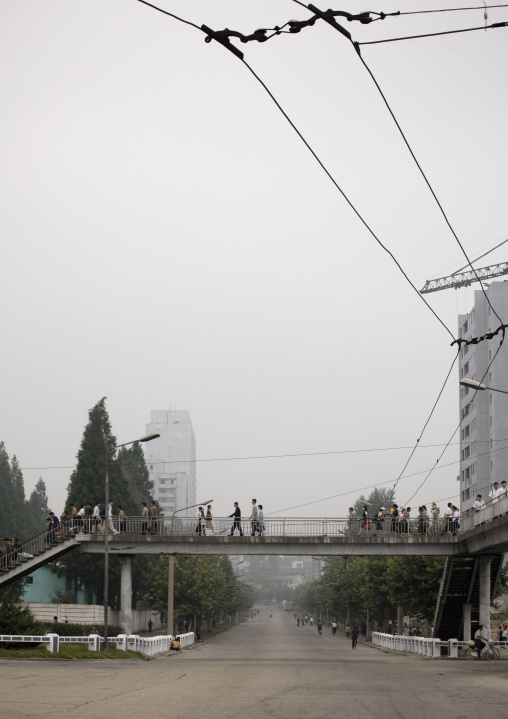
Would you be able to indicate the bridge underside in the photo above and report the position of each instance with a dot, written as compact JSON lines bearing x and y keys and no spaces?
{"x":288,"y":546}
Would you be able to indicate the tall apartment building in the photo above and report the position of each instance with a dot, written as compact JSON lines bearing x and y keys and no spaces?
{"x":171,"y":459}
{"x":484,"y":419}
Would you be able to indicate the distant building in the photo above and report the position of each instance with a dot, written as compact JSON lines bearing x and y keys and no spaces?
{"x":484,"y":420}
{"x":171,"y":460}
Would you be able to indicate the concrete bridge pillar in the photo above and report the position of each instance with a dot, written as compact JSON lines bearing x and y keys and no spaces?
{"x":484,"y":579}
{"x":126,"y":616}
{"x":466,"y":614}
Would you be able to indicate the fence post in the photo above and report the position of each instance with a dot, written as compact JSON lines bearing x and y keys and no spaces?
{"x":453,"y":648}
{"x":53,"y":645}
{"x":94,"y":643}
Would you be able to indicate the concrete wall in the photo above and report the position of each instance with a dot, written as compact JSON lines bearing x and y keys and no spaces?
{"x":92,"y":614}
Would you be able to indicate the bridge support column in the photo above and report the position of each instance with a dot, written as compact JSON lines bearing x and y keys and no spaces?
{"x":466,"y":614}
{"x":484,"y":579}
{"x":126,"y":616}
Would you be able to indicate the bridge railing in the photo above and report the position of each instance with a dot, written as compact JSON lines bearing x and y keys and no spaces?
{"x":491,"y":511}
{"x":28,"y":549}
{"x":282,"y":527}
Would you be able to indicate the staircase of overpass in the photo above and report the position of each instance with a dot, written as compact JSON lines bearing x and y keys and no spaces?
{"x":34,"y":553}
{"x":460,"y":585}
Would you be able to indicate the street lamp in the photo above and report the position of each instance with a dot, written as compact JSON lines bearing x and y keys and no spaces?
{"x":145,"y":438}
{"x":473,"y":384}
{"x":171,"y":569}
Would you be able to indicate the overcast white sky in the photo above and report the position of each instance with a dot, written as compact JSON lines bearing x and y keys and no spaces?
{"x":168,"y":241}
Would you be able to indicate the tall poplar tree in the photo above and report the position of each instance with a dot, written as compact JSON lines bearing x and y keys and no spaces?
{"x":37,"y":508}
{"x":5,"y":493}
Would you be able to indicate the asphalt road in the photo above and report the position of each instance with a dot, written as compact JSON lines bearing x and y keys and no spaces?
{"x":263,"y":668}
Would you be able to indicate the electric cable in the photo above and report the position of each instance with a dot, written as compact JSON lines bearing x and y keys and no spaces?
{"x":493,"y":26}
{"x":428,"y":419}
{"x":458,"y":426}
{"x":329,"y":175}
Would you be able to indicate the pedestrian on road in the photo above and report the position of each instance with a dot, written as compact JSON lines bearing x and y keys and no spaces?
{"x":354,"y":636}
{"x":311,"y":621}
{"x":319,"y":627}
{"x":254,"y":518}
{"x":144,"y":518}
{"x":237,"y":523}
{"x":150,"y":625}
{"x":334,"y":628}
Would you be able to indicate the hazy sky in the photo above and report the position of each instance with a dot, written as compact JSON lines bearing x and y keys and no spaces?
{"x":169,"y":242}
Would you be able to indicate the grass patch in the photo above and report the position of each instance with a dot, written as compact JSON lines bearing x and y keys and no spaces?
{"x":68,"y":651}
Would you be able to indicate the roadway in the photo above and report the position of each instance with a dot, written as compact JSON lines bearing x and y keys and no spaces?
{"x":262,"y":668}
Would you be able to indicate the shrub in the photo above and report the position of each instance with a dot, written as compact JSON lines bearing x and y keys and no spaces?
{"x":17,"y":619}
{"x":64,"y":629}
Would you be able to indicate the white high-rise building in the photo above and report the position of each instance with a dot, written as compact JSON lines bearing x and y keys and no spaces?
{"x":484,"y":420}
{"x":171,"y":459}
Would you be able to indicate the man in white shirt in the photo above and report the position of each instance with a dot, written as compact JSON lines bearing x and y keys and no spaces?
{"x":479,"y":504}
{"x":96,"y":518}
{"x":496,"y":493}
{"x":480,"y":639}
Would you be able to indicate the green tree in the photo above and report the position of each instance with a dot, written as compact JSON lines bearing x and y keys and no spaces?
{"x":86,"y":484}
{"x":413,"y":582}
{"x":37,"y":508}
{"x":379,"y":497}
{"x":135,"y":473}
{"x":16,"y":619}
{"x":7,"y":519}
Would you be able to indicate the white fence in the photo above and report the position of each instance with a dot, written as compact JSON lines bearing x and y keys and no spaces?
{"x":132,"y":642}
{"x":417,"y":645}
{"x":430,"y":648}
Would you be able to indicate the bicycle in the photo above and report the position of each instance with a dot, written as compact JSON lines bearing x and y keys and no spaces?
{"x":489,"y":652}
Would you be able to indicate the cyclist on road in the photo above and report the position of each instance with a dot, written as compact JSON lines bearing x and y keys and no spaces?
{"x":311,"y":621}
{"x":480,"y":639}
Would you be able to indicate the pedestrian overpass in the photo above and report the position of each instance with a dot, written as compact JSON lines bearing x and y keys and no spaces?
{"x":475,"y":551}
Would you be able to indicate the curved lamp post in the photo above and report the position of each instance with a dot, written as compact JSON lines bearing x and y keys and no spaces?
{"x":145,"y":438}
{"x":473,"y":384}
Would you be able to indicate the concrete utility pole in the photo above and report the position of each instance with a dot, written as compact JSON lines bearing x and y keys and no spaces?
{"x":171,"y":593}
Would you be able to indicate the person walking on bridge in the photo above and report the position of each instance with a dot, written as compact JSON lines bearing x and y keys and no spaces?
{"x":237,"y":523}
{"x":254,"y":518}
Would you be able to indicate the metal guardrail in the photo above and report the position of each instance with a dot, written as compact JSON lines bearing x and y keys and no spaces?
{"x":132,"y":642}
{"x":280,"y":527}
{"x":492,"y":510}
{"x":31,"y":548}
